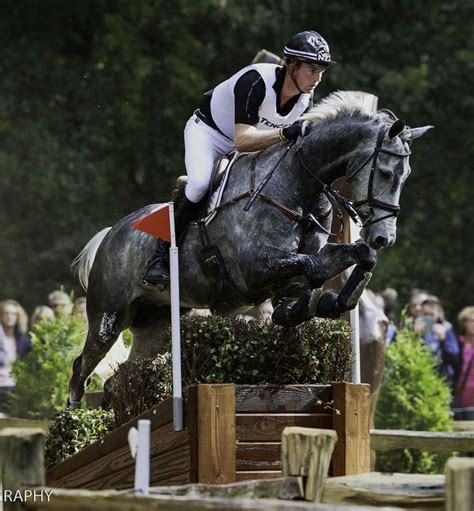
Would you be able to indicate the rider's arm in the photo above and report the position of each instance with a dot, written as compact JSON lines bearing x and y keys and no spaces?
{"x":248,"y":138}
{"x":249,"y":93}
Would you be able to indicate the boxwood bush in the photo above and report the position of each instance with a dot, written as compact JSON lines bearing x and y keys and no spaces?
{"x":220,"y":349}
{"x":413,"y":397}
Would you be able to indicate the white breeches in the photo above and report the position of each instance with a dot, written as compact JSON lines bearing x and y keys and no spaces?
{"x":203,"y":146}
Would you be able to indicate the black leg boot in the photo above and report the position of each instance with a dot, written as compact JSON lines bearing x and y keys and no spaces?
{"x":157,"y":271}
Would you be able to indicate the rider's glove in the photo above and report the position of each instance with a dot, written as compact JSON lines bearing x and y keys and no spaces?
{"x":298,"y":129}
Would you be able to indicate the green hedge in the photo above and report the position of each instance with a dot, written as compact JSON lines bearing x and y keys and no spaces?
{"x":220,"y":349}
{"x":413,"y":397}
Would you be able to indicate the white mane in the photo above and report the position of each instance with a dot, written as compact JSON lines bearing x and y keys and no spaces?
{"x":342,"y":102}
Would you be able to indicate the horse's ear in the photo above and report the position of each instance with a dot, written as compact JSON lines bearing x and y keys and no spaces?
{"x":397,"y":127}
{"x":417,"y":132}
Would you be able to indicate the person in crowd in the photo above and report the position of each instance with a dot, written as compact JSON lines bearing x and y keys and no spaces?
{"x":80,"y":309}
{"x":60,"y":302}
{"x":41,"y":313}
{"x":417,"y":297}
{"x":257,"y":107}
{"x":438,"y":335}
{"x":465,"y":384}
{"x":14,"y":343}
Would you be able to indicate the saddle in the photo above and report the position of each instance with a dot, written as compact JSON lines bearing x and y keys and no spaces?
{"x":213,"y":198}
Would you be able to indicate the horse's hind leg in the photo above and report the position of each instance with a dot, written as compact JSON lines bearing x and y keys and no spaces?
{"x":101,"y":336}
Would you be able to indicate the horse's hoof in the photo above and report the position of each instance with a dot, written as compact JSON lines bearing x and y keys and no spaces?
{"x":72,"y":405}
{"x":328,"y":306}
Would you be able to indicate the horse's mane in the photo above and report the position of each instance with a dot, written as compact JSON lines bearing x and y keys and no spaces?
{"x":341,"y":103}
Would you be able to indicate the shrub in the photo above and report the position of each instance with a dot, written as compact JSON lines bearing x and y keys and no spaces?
{"x":73,"y":430}
{"x":224,"y":350}
{"x":413,"y":397}
{"x":42,"y":376}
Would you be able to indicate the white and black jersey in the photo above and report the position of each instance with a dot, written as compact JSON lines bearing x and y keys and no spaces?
{"x":251,"y":96}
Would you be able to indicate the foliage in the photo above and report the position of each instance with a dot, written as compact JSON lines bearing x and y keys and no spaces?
{"x":137,"y":386}
{"x":73,"y":430}
{"x":224,"y":350}
{"x":413,"y":397}
{"x":42,"y":376}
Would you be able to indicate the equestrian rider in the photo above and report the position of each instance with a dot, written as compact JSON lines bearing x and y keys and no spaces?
{"x":255,"y":108}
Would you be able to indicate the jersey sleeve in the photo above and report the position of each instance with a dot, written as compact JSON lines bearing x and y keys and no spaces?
{"x":249,"y":93}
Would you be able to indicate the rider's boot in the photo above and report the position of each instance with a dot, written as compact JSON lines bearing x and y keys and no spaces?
{"x":157,"y":271}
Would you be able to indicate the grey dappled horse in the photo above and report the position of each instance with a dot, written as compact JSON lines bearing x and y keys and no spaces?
{"x":278,"y":249}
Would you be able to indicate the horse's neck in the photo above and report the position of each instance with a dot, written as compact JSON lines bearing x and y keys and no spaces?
{"x":329,"y":150}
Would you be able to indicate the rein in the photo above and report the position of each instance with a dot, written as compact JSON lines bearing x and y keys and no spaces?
{"x":353,"y":208}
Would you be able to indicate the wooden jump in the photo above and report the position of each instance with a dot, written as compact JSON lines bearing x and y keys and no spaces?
{"x":231,"y":433}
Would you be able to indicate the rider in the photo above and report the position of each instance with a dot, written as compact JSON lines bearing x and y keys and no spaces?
{"x":255,"y":108}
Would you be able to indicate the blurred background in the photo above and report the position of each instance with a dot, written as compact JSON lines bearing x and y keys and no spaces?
{"x":94,"y":96}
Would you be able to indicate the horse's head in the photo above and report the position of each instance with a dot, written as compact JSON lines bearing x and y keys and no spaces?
{"x":377,"y":179}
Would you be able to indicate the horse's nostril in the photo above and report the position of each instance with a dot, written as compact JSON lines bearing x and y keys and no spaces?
{"x":380,"y":242}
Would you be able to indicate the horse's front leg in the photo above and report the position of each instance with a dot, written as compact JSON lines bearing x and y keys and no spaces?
{"x":329,"y":262}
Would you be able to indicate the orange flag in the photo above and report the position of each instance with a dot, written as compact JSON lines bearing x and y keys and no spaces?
{"x":156,"y":223}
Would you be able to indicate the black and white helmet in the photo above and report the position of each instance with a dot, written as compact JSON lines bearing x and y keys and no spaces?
{"x":308,"y":46}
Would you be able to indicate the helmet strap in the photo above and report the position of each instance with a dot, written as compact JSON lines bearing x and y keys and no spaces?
{"x":293,"y":79}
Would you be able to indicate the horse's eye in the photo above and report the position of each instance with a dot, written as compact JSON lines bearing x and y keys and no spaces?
{"x":386,"y":173}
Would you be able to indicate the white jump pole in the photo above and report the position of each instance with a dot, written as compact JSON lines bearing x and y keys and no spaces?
{"x":354,"y":321}
{"x":142,"y":462}
{"x":175,"y":327}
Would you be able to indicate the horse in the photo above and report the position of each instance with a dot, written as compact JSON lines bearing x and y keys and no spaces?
{"x":246,"y":256}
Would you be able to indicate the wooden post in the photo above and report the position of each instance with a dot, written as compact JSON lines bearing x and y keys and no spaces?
{"x":460,"y":484}
{"x":21,"y":461}
{"x":306,"y":452}
{"x":216,"y":433}
{"x":351,"y":422}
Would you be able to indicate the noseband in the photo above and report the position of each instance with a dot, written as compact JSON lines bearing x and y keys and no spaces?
{"x":353,"y":208}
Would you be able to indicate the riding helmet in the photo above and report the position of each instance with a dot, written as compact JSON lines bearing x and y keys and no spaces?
{"x":308,"y":46}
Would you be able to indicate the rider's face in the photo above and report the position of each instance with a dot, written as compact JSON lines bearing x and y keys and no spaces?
{"x":307,"y":75}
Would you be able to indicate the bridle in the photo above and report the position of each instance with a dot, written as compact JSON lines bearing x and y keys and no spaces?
{"x":354,"y":208}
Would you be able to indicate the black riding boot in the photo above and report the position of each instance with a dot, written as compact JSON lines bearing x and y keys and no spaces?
{"x":158,"y":271}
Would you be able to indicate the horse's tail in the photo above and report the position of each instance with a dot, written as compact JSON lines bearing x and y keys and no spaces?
{"x":85,"y":259}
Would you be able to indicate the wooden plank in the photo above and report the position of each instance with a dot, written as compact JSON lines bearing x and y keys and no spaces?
{"x":432,"y":441}
{"x":168,"y":468}
{"x":463,"y":425}
{"x":460,"y":484}
{"x":269,"y":427}
{"x":306,"y":453}
{"x":351,"y":422}
{"x":282,"y":398}
{"x":216,"y":433}
{"x":96,"y":474}
{"x":14,"y":422}
{"x":82,"y":500}
{"x":408,"y":491}
{"x":283,"y":488}
{"x":21,"y":460}
{"x":243,"y":475}
{"x":258,"y":456}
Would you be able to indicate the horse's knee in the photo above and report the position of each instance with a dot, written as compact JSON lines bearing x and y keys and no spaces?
{"x":109,"y":328}
{"x":367,"y":256}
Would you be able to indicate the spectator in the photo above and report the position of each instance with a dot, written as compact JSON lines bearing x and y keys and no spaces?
{"x":60,"y":302}
{"x":465,"y":385}
{"x":438,"y":335}
{"x":41,"y":313}
{"x":417,"y":297}
{"x":80,"y":309}
{"x":14,"y":343}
